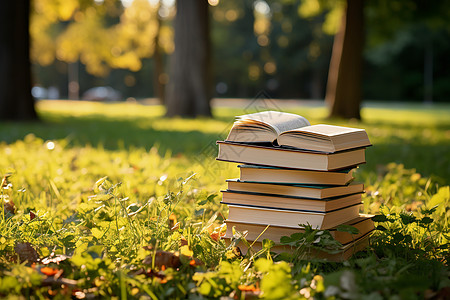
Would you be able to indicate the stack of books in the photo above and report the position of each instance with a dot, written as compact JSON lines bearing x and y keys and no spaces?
{"x":293,"y":174}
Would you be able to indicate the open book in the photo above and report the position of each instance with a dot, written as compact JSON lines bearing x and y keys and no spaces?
{"x":292,"y":130}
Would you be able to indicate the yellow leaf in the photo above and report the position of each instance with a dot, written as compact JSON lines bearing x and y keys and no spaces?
{"x":184,"y":250}
{"x":97,"y":233}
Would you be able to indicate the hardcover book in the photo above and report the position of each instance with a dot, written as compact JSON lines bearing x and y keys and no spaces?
{"x":257,"y":232}
{"x":293,"y":217}
{"x":253,"y":173}
{"x":295,"y":190}
{"x":289,"y":202}
{"x":289,"y":158}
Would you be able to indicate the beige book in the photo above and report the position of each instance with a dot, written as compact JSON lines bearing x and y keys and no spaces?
{"x":289,"y":158}
{"x":345,"y":253}
{"x":295,"y":190}
{"x":257,"y":232}
{"x":255,"y":173}
{"x":292,"y":218}
{"x":289,"y":202}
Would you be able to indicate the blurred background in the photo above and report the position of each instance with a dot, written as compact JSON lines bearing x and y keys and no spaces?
{"x":117,"y":50}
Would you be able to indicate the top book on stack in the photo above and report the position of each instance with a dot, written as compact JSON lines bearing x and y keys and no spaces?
{"x":279,"y":139}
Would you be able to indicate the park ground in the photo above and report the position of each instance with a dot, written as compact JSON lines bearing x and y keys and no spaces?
{"x":162,"y":171}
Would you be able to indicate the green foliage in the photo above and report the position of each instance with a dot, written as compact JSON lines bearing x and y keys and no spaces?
{"x":311,"y":240}
{"x":126,"y":219}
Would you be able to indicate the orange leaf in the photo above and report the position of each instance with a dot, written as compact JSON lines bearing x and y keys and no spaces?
{"x":195,"y":262}
{"x":248,"y":288}
{"x":215,"y":236}
{"x":49,"y":271}
{"x":172,"y":220}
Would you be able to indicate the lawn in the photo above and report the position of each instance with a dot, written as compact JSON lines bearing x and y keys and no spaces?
{"x":106,"y":236}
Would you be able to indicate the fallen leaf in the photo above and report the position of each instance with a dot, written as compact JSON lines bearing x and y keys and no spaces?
{"x":248,"y":288}
{"x":195,"y":262}
{"x":247,"y":292}
{"x":218,"y":232}
{"x":9,"y":207}
{"x":26,"y":252}
{"x":215,"y":236}
{"x":49,"y":271}
{"x":172,"y":220}
{"x":183,"y":242}
{"x":164,"y":258}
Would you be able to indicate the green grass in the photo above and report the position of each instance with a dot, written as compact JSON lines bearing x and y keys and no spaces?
{"x":104,"y":225}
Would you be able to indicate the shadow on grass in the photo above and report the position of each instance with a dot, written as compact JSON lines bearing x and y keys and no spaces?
{"x":110,"y":133}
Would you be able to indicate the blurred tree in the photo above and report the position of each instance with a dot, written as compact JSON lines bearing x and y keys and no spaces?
{"x":232,"y":24}
{"x":300,"y":51}
{"x":189,"y":88}
{"x":406,"y":39}
{"x":16,"y":102}
{"x":344,"y":87}
{"x":102,"y":35}
{"x":159,"y":75}
{"x":346,"y":19}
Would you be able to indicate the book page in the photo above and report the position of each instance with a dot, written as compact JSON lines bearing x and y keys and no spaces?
{"x":326,"y":130}
{"x":280,"y":121}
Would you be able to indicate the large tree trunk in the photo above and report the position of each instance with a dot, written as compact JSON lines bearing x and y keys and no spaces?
{"x":344,"y":77}
{"x":188,"y":91}
{"x":16,"y":102}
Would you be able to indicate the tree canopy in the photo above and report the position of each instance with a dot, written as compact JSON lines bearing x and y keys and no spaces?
{"x":281,"y":46}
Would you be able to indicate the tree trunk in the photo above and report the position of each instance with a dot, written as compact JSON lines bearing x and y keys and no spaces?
{"x":344,"y":77}
{"x":16,"y":102}
{"x":188,"y":91}
{"x":158,"y":62}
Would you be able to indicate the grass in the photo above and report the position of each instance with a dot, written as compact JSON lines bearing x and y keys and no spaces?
{"x":63,"y":205}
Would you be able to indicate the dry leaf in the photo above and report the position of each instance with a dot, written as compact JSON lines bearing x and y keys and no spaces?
{"x":183,"y":241}
{"x":164,"y":258}
{"x":26,"y":252}
{"x":172,"y":220}
{"x":10,"y":207}
{"x":248,"y":288}
{"x":215,"y":236}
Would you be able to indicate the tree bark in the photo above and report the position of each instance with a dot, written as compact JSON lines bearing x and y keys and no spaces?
{"x":16,"y":101}
{"x":344,"y":91}
{"x":158,"y":62}
{"x":189,"y":88}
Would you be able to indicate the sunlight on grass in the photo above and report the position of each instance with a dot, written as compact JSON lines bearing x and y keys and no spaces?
{"x":106,"y":188}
